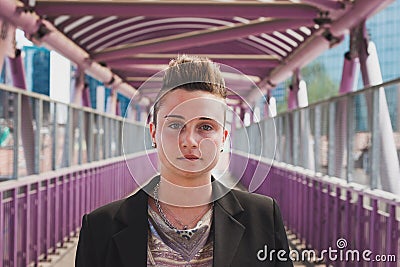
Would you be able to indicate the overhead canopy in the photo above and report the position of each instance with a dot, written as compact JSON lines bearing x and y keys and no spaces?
{"x":266,"y":40}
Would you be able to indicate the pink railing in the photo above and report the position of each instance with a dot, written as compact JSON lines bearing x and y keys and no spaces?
{"x":39,"y":213}
{"x":321,"y":210}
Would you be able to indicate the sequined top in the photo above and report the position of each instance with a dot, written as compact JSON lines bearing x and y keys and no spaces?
{"x":168,"y":249}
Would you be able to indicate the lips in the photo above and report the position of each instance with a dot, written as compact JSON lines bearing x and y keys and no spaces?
{"x":191,"y":157}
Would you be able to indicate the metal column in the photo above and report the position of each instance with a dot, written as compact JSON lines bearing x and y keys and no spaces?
{"x":383,"y":143}
{"x":343,"y":141}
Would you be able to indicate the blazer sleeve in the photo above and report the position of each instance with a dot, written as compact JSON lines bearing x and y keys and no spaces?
{"x":281,"y":242}
{"x":85,"y":256}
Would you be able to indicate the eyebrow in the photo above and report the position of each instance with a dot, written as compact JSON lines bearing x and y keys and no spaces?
{"x":181,"y":117}
{"x":174,"y":116}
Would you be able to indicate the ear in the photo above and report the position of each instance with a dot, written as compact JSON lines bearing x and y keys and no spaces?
{"x":225,"y":135}
{"x":152,"y":129}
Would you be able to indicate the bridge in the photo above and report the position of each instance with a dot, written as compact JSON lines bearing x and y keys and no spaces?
{"x":332,"y":165}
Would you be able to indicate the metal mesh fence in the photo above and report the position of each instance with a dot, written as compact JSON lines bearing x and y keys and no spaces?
{"x":38,"y":134}
{"x":355,"y":137}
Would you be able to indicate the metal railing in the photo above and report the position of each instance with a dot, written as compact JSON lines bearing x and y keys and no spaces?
{"x":38,"y":214}
{"x":61,"y":135}
{"x":350,"y":136}
{"x":322,"y":211}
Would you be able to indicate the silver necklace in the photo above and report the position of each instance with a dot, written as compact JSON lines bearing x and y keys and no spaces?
{"x":165,"y":219}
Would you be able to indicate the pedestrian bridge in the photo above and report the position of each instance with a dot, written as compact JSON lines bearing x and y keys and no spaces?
{"x":333,"y":166}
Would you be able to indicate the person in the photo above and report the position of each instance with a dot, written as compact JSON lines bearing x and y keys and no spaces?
{"x":184,"y":216}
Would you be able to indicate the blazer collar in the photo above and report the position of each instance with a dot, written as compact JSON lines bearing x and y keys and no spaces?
{"x":131,"y":241}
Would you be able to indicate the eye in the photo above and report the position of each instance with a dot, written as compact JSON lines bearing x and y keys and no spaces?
{"x":206,"y":127}
{"x":175,"y":125}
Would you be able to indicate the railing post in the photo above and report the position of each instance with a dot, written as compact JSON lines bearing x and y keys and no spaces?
{"x":350,"y":141}
{"x":57,"y":212}
{"x":90,"y":137}
{"x":288,"y":141}
{"x":15,"y":225}
{"x":80,"y":137}
{"x":1,"y":227}
{"x":392,"y":235}
{"x":295,"y":140}
{"x":39,"y":212}
{"x":374,"y":228}
{"x":16,"y":134}
{"x":38,"y":143}
{"x":331,"y":142}
{"x":48,"y":217}
{"x":317,"y":136}
{"x":54,"y":141}
{"x":27,"y":224}
{"x":375,"y":146}
{"x":279,"y":131}
{"x":361,"y":222}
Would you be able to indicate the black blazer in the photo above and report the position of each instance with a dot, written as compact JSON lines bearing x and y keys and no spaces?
{"x":115,"y":235}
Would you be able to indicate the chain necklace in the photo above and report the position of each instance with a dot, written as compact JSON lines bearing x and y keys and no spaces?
{"x":164,"y":217}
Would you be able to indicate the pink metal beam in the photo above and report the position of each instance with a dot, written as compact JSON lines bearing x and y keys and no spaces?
{"x":325,"y":4}
{"x":45,"y":33}
{"x":201,"y":37}
{"x":227,"y":59}
{"x":209,"y":9}
{"x":317,"y":44}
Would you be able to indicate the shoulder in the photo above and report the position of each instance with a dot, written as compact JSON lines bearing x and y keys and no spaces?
{"x":254,"y":200}
{"x":117,"y":211}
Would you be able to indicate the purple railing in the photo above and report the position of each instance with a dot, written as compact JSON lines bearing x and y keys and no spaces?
{"x":322,"y":210}
{"x":39,"y":213}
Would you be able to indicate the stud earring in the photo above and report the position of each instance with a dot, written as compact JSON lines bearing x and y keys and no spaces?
{"x":222,"y":150}
{"x":154,"y":145}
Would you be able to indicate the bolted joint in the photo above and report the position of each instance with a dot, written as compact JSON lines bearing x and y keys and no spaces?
{"x":323,"y":18}
{"x":111,"y":81}
{"x":331,"y":38}
{"x":41,"y":32}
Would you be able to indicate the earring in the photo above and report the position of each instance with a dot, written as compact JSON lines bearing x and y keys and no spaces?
{"x":154,"y":145}
{"x":222,"y":150}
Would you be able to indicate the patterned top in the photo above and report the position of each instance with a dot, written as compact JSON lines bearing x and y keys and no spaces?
{"x":168,"y":249}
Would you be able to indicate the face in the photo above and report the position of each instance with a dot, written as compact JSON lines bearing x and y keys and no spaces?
{"x":190,"y":132}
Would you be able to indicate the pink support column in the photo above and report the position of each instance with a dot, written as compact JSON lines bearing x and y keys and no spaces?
{"x":27,"y":133}
{"x":251,"y":113}
{"x":118,"y":108}
{"x":77,"y":94}
{"x":242,"y":114}
{"x":266,"y":111}
{"x":86,"y":96}
{"x":6,"y":42}
{"x":350,"y":74}
{"x":348,"y":84}
{"x":389,"y":162}
{"x":292,"y":98}
{"x":233,"y":122}
{"x":112,"y":102}
{"x":300,"y":100}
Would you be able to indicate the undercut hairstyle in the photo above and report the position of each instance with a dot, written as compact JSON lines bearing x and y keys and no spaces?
{"x":190,"y":73}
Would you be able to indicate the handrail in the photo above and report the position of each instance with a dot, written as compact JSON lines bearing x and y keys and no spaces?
{"x":338,"y":97}
{"x":12,"y":89}
{"x":40,"y":212}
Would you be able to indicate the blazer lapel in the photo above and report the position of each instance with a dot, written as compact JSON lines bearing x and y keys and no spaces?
{"x":228,"y":231}
{"x":131,"y":241}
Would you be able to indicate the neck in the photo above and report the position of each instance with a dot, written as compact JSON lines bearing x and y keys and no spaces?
{"x":185,"y":196}
{"x":186,"y":179}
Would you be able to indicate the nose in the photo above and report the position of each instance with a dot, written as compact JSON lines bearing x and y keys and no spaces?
{"x":188,"y":138}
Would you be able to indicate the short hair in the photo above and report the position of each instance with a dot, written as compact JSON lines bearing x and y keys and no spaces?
{"x":191,"y":73}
